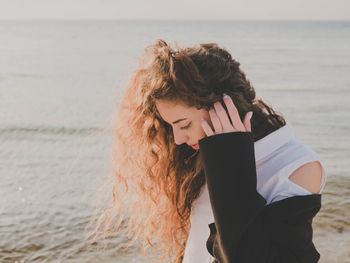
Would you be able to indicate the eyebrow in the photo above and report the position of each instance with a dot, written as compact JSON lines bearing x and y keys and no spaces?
{"x":179,"y":120}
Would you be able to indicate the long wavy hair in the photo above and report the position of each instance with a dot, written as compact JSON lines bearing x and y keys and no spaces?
{"x":155,"y":181}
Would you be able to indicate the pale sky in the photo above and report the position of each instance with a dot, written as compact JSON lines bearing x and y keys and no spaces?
{"x":176,"y":10}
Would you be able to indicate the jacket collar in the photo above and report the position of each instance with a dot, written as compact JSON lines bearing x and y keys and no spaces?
{"x":273,"y":141}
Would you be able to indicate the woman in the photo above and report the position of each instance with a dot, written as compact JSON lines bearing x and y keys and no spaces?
{"x":186,"y":163}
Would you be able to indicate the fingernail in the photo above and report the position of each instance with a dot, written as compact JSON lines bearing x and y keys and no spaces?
{"x":225,"y":95}
{"x":250,"y":114}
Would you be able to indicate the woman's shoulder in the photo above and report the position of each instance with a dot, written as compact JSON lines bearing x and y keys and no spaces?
{"x":291,"y":169}
{"x":308,"y":176}
{"x":307,"y":170}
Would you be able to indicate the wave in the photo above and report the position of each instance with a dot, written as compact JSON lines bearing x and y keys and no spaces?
{"x":61,"y":130}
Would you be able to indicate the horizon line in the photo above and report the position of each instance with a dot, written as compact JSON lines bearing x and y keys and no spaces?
{"x":184,"y":20}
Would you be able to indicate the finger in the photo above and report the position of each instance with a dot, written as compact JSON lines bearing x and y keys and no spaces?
{"x":247,"y":122}
{"x":206,"y":127}
{"x":215,"y":121}
{"x":234,"y":115}
{"x":221,"y":113}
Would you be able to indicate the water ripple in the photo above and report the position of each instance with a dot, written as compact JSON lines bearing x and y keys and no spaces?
{"x":50,"y":130}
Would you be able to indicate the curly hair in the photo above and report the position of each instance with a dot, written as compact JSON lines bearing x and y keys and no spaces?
{"x":159,"y":179}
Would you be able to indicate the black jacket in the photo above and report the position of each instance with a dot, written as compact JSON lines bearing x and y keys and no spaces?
{"x":245,"y":228}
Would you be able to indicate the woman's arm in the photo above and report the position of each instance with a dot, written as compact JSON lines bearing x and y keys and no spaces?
{"x":245,"y":230}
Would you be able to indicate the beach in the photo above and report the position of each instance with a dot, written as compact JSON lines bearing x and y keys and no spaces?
{"x":59,"y":85}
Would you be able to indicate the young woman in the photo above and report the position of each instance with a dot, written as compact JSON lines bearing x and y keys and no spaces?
{"x":198,"y":177}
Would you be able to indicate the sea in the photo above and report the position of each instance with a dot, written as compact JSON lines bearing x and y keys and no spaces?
{"x":60,"y":83}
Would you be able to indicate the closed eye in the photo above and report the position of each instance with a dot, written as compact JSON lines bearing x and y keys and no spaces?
{"x":186,"y":127}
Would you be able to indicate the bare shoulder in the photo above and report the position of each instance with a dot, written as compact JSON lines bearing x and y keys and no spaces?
{"x":308,"y":176}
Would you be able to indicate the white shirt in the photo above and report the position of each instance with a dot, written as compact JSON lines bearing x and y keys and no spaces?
{"x":277,"y":155}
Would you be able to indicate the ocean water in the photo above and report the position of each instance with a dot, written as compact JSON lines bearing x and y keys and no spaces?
{"x":60,"y":82}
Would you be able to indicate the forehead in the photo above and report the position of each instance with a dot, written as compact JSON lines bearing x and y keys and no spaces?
{"x":171,"y":111}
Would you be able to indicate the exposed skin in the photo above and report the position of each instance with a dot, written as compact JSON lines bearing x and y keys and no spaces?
{"x":198,"y":129}
{"x":217,"y":121}
{"x":308,"y":176}
{"x":171,"y":112}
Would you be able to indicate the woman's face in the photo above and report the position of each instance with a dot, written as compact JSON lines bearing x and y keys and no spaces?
{"x":185,"y":121}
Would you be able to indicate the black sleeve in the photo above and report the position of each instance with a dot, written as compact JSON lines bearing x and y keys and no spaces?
{"x":243,"y":230}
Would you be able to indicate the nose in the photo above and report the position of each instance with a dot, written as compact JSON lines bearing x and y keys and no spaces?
{"x":180,"y":137}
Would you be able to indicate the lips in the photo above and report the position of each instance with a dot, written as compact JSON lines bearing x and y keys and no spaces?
{"x":195,"y":146}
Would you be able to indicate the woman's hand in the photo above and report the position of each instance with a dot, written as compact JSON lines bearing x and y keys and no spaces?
{"x":221,"y":121}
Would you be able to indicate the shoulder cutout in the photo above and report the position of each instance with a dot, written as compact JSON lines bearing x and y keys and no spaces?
{"x":308,"y":176}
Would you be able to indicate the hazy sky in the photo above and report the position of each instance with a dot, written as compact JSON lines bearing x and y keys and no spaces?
{"x":179,"y":9}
